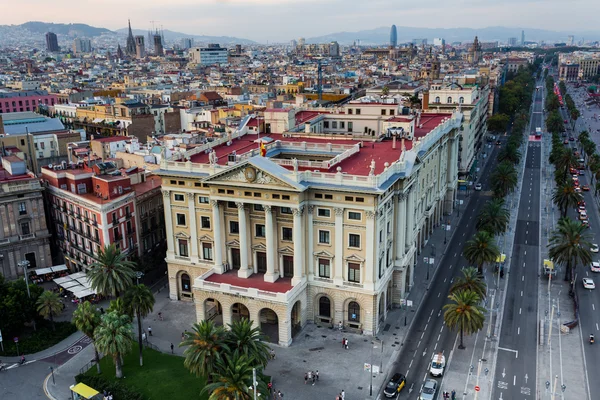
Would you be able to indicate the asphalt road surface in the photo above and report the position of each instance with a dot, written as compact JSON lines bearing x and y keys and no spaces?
{"x":516,"y":365}
{"x":429,"y":335}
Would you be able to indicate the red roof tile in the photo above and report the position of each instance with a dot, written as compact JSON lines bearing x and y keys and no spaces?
{"x":256,"y":281}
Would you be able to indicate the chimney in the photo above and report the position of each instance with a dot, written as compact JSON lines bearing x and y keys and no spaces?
{"x":394,"y":142}
{"x":425,"y":105}
{"x":418,"y":118}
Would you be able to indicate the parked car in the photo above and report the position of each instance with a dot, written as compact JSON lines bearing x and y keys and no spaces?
{"x":594,"y":248}
{"x":395,"y":385}
{"x":429,"y":389}
{"x":585,"y":187}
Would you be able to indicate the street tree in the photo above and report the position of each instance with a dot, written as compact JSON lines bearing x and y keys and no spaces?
{"x":565,"y":197}
{"x":493,"y":217}
{"x":480,"y":249}
{"x":49,"y":306}
{"x":233,"y":379}
{"x":464,"y":313}
{"x":470,"y":280}
{"x":248,"y":340}
{"x":140,"y":301}
{"x":498,"y":122}
{"x":570,"y":244}
{"x":112,"y":273}
{"x":86,"y":318}
{"x":206,"y":346}
{"x":114,"y":337}
{"x":504,"y":179}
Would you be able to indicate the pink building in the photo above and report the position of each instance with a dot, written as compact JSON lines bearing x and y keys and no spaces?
{"x":27,"y":100}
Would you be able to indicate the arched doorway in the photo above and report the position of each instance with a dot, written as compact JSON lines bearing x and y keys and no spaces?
{"x":239,"y":311}
{"x":269,"y":324}
{"x":324,"y":311}
{"x":185,"y":286}
{"x":353,"y":315}
{"x":296,"y":318}
{"x":213,"y":311}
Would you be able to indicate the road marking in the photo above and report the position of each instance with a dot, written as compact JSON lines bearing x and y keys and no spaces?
{"x":445,"y":279}
{"x":442,"y":328}
{"x":410,"y":365}
{"x":518,"y":330}
{"x":435,"y":346}
{"x":419,"y":344}
{"x":431,"y":311}
{"x":597,"y":328}
{"x":514,"y":380}
{"x":502,"y":385}
{"x":524,"y":253}
{"x":439,"y":337}
{"x":439,"y":294}
{"x":511,"y":350}
{"x":593,"y":307}
{"x":422,"y":335}
{"x":523,"y":265}
{"x":454,"y":254}
{"x":523,"y":278}
{"x":521,"y":293}
{"x":519,"y":310}
{"x":429,"y":319}
{"x":526,"y":391}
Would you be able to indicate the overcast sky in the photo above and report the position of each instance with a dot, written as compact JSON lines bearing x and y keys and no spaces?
{"x":282,"y":20}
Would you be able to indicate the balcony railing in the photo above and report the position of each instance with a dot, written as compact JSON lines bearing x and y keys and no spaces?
{"x":27,"y":236}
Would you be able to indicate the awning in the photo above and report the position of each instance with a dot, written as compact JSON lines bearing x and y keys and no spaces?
{"x":59,"y":268}
{"x":501,"y":258}
{"x":84,"y":390}
{"x":84,"y":293}
{"x":85,"y":282}
{"x":76,"y":288}
{"x":61,"y":280}
{"x":77,"y":275}
{"x":70,"y":284}
{"x":43,"y":271}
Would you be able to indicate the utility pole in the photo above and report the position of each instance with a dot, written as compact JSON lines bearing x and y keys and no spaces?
{"x":25,"y":265}
{"x":550,"y":328}
{"x":254,"y":381}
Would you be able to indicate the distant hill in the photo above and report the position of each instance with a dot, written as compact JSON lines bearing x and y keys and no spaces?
{"x":174,"y":36}
{"x":62,"y":29}
{"x":380,"y":36}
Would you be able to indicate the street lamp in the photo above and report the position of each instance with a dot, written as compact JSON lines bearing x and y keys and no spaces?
{"x":25,"y":265}
{"x":138,"y":275}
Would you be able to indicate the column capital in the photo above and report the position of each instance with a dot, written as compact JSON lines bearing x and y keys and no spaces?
{"x":268,"y":209}
{"x":214,"y":203}
{"x":166,"y":193}
{"x":370,"y":215}
{"x":310,"y":209}
{"x":338,"y":211}
{"x":402,"y":196}
{"x":191,"y":196}
{"x":240,"y":205}
{"x":298,"y":211}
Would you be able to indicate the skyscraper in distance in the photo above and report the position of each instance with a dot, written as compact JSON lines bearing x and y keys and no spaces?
{"x":522,"y":38}
{"x":393,"y":36}
{"x":52,"y":42}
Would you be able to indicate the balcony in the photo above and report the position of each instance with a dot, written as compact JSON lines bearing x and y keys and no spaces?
{"x":27,"y":236}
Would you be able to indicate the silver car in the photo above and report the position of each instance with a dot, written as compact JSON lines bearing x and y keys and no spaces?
{"x":429,"y":389}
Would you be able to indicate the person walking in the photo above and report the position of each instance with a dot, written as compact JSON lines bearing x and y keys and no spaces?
{"x":343,"y":343}
{"x":346,"y":344}
{"x":150,"y":330}
{"x":314,"y":378}
{"x":305,"y":377}
{"x":453,"y":395}
{"x":317,"y":374}
{"x":182,"y":336}
{"x":343,"y":394}
{"x":172,"y":348}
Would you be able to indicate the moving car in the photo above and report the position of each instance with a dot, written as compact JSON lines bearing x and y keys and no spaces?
{"x":587,"y":284}
{"x":585,"y":187}
{"x":571,"y":138}
{"x":582,"y":215}
{"x":586,"y":222}
{"x":594,"y":248}
{"x":577,"y":189}
{"x":595,"y":266}
{"x":438,"y":363}
{"x":429,"y":389}
{"x":498,"y":142}
{"x":395,"y":385}
{"x":478,"y":186}
{"x":565,"y":141}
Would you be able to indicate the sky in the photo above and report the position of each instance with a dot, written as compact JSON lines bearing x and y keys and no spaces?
{"x":282,"y":20}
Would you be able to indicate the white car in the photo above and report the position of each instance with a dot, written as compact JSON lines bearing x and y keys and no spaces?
{"x":478,"y":186}
{"x":588,"y":284}
{"x":594,"y":248}
{"x":595,"y":267}
{"x":582,"y":215}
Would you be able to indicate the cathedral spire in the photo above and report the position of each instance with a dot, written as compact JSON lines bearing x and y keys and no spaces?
{"x":130,"y":48}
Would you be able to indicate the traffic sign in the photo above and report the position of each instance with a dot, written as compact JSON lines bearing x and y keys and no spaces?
{"x":477,"y":388}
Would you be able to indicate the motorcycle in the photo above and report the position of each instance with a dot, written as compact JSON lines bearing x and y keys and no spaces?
{"x":591,"y":339}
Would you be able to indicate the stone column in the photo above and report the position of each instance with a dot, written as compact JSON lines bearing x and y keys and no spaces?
{"x":270,"y":234}
{"x":218,"y":240}
{"x":338,"y":271}
{"x":371,"y":266}
{"x":410,"y":219}
{"x":310,"y":238}
{"x":298,"y":246}
{"x":401,"y":226}
{"x":193,"y":227}
{"x":168,"y":224}
{"x":244,"y":271}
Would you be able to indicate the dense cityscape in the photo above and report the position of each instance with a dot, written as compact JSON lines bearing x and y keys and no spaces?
{"x":212,"y":217}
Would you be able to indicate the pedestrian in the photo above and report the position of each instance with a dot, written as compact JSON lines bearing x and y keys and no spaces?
{"x":279,"y":395}
{"x":182,"y":336}
{"x":314,"y":379}
{"x":272,"y":354}
{"x":144,"y":337}
{"x":346,"y":343}
{"x":453,"y":395}
{"x":150,"y":330}
{"x":305,"y":377}
{"x":343,"y":343}
{"x":343,"y":394}
{"x":317,"y":374}
{"x":172,"y":348}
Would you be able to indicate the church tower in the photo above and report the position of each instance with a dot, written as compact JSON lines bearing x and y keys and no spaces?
{"x":130,"y":48}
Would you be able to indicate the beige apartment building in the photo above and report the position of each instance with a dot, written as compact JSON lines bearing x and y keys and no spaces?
{"x":315,"y":231}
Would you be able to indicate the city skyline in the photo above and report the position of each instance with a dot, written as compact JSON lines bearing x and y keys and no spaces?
{"x":246,"y":18}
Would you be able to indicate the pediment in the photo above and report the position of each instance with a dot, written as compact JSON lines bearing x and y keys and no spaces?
{"x":355,"y":258}
{"x":323,"y":253}
{"x":233,"y":243}
{"x":259,"y":247}
{"x":286,"y":250}
{"x":182,"y":235}
{"x":205,"y":238}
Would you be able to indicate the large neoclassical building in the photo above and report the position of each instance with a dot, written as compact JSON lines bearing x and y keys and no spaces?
{"x":297,"y":228}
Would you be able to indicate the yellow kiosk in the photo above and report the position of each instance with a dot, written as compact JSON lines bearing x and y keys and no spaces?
{"x":84,"y":392}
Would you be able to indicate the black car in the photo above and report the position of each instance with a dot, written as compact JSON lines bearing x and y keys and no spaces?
{"x":395,"y":385}
{"x":498,"y":142}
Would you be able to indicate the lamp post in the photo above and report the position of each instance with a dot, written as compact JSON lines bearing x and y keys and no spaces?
{"x":138,"y":276}
{"x":25,"y":265}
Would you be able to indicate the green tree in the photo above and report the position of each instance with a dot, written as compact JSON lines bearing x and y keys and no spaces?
{"x":493,"y":217}
{"x":565,"y":162}
{"x":509,"y":153}
{"x":86,"y":318}
{"x":570,"y":244}
{"x":114,"y":337}
{"x":140,"y":301}
{"x":49,"y":306}
{"x":566,"y":197}
{"x":504,"y":179}
{"x":248,"y":340}
{"x":481,"y":249}
{"x":119,"y":306}
{"x":233,"y":379}
{"x":385,"y":90}
{"x":498,"y":122}
{"x":16,"y":308}
{"x":112,"y":273}
{"x":554,"y":122}
{"x":470,"y":280}
{"x":464,"y":313}
{"x":206,"y":345}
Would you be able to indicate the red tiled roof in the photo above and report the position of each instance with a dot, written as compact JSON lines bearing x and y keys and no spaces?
{"x":428,"y":122}
{"x":256,"y":281}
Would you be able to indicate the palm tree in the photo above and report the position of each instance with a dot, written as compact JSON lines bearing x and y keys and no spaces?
{"x":481,"y":249}
{"x":566,"y":197}
{"x":49,"y":305}
{"x":120,"y":307}
{"x":206,"y":344}
{"x":504,"y":178}
{"x":140,"y":301}
{"x":112,"y":273}
{"x":493,"y":217}
{"x":565,"y":162}
{"x":471,"y":280}
{"x":248,"y":340}
{"x":509,"y":153}
{"x":86,"y":318}
{"x":465,"y":313}
{"x":569,"y":244}
{"x":233,"y":379}
{"x":114,"y":336}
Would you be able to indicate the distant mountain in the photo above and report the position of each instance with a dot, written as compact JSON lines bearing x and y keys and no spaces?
{"x":174,"y":36}
{"x":61,"y":29}
{"x":380,"y":36}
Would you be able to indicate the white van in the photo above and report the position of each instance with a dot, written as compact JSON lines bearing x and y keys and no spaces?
{"x":438,"y":363}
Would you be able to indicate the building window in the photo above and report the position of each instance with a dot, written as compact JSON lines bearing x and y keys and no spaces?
{"x":350,"y":111}
{"x":259,"y":207}
{"x":391,"y":112}
{"x":350,"y":126}
{"x":358,"y":111}
{"x":231,"y":204}
{"x":203,"y":200}
{"x":333,"y":124}
{"x":81,"y":188}
{"x":324,"y":212}
{"x":324,"y":237}
{"x":205,"y":222}
{"x":285,"y":210}
{"x":183,"y":247}
{"x":181,"y":219}
{"x":342,"y":124}
{"x":449,"y":101}
{"x":356,"y":216}
{"x":260,"y":230}
{"x":461,"y":100}
{"x":286,"y":233}
{"x":186,"y":283}
{"x":179,"y":197}
{"x":324,"y":268}
{"x":25,"y":228}
{"x":354,"y":240}
{"x":326,"y":124}
{"x":22,"y":208}
{"x":353,"y":312}
{"x":383,"y":111}
{"x":207,"y":251}
{"x":114,"y":216}
{"x":354,"y":272}
{"x":437,"y":99}
{"x":234,"y":227}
